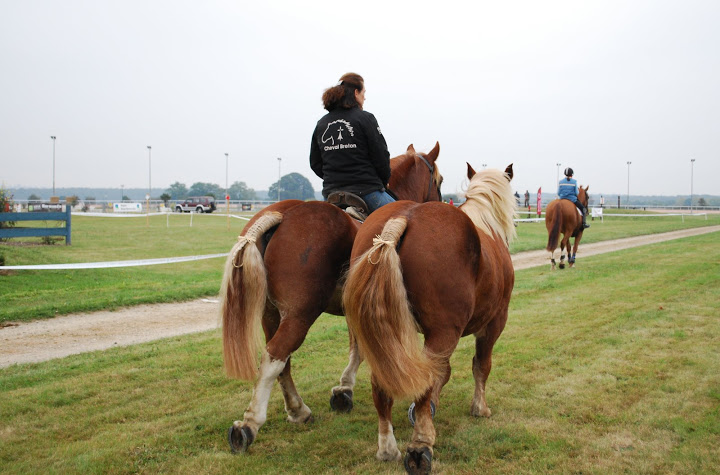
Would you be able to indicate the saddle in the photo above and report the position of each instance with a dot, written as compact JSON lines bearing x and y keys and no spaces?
{"x":576,"y":206}
{"x":351,"y":203}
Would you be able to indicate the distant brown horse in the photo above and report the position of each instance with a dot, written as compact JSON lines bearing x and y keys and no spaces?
{"x":439,"y":270}
{"x":283,"y":273}
{"x":563,"y":217}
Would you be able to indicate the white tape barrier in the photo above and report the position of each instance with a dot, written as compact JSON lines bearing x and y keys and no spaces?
{"x":143,"y":215}
{"x":111,"y":264}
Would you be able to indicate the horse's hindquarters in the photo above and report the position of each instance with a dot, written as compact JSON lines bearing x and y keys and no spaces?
{"x":304,"y":261}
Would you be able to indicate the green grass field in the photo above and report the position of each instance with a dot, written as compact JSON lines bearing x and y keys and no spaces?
{"x":611,"y":367}
{"x":27,"y":295}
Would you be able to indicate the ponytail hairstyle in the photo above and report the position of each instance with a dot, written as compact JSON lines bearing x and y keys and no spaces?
{"x":343,"y":93}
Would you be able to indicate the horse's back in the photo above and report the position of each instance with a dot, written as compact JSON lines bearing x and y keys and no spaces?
{"x":440,"y":255}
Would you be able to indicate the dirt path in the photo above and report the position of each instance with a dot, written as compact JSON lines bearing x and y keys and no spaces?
{"x":72,"y":334}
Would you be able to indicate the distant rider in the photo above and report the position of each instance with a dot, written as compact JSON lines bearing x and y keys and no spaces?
{"x":568,"y":190}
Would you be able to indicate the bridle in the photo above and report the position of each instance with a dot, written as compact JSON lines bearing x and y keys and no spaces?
{"x":431,"y":167}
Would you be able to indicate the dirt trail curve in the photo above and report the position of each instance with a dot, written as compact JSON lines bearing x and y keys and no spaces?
{"x":72,"y":334}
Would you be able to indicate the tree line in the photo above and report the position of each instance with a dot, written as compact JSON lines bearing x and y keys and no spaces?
{"x":290,"y":186}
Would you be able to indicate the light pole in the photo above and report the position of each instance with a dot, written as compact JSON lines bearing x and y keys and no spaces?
{"x":557,"y":175}
{"x":692,"y":163}
{"x":279,"y":176}
{"x":227,"y":195}
{"x":149,"y":147}
{"x":628,"y":192}
{"x":147,"y":217}
{"x":226,"y":174}
{"x":53,"y":139}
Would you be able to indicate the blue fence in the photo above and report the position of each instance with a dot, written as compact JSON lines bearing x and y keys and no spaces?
{"x":38,"y":232}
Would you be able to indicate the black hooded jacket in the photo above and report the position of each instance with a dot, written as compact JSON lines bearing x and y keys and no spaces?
{"x":349,"y":152}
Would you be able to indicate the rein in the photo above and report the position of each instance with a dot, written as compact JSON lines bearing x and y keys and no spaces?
{"x":432,"y":171}
{"x":431,"y":167}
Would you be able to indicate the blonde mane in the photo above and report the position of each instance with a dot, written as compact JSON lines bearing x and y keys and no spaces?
{"x":490,"y":204}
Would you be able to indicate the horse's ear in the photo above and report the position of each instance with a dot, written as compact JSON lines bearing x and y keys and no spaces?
{"x":587,"y":188}
{"x":411,"y":149}
{"x":471,"y":172}
{"x":509,"y":172}
{"x":433,"y":155}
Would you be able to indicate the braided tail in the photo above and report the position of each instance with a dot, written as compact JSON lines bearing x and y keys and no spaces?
{"x":243,"y":296}
{"x":378,"y":313}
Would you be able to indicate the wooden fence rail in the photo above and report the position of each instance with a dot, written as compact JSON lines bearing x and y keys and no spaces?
{"x":38,"y":232}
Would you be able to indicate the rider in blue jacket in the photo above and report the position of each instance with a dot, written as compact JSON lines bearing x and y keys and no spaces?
{"x":567,"y":190}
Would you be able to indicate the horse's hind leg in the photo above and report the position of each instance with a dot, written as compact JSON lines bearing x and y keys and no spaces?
{"x":418,"y":458}
{"x":387,"y":445}
{"x":296,"y":409}
{"x":290,"y":335}
{"x":243,"y":433}
{"x":274,"y":365}
{"x":342,"y":395}
{"x":482,"y":363}
{"x":564,"y":244}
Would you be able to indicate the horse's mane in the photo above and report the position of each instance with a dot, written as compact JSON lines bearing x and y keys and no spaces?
{"x":490,"y":204}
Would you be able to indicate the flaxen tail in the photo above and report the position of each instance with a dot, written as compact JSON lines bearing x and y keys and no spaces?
{"x":378,"y":312}
{"x":243,"y":296}
{"x":554,"y":235}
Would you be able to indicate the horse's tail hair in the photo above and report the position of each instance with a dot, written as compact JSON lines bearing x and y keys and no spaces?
{"x":554,"y":236}
{"x":378,"y":313}
{"x":243,"y":294}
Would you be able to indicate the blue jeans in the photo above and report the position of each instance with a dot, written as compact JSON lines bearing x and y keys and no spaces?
{"x":376,"y":199}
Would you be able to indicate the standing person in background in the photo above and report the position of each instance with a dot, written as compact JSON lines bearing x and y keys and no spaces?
{"x":567,"y":190}
{"x":527,"y":199}
{"x":348,"y":150}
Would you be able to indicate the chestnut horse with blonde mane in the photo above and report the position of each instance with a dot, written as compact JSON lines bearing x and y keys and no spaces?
{"x":563,"y":217}
{"x":445,"y":272}
{"x":285,"y":270}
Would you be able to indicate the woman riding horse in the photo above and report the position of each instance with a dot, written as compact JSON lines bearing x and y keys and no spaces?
{"x":348,"y":149}
{"x":568,"y":190}
{"x":285,"y":270}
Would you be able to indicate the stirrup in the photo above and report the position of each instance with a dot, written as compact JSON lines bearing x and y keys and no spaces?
{"x":354,"y":213}
{"x":345,"y":200}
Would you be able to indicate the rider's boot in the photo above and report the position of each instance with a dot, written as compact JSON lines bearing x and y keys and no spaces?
{"x":584,"y":218}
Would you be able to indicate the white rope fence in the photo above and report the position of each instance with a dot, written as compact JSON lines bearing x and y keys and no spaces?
{"x":173,"y":260}
{"x":113,"y":264}
{"x":144,"y":215}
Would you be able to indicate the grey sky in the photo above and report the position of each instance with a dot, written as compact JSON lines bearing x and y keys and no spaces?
{"x":589,"y":84}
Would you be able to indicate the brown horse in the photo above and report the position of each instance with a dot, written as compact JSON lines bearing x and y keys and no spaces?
{"x":439,"y":270}
{"x":563,"y":217}
{"x":282,"y":274}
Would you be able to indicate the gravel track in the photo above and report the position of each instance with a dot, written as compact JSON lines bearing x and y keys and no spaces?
{"x":42,"y":340}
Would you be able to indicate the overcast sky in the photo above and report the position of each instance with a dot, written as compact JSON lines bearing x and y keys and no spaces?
{"x":588,"y":84}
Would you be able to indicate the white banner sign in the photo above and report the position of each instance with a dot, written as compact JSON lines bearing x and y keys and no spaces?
{"x":127,"y":207}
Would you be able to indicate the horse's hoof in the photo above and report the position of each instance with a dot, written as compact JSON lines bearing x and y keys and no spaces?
{"x":411,"y":412}
{"x":561,"y":265}
{"x":342,"y":401}
{"x":418,"y":461}
{"x":240,"y":439}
